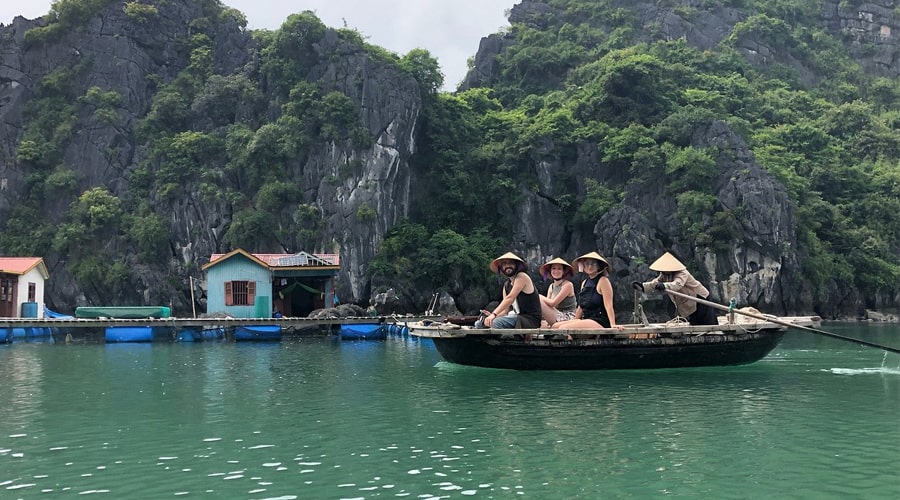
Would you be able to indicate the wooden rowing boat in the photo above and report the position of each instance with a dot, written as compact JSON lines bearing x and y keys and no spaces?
{"x":634,"y":346}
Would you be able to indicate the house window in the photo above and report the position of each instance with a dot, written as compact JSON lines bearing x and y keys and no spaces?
{"x":240,"y":293}
{"x":32,"y":292}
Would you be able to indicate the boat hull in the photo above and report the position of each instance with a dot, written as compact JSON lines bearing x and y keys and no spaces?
{"x":733,"y":341}
{"x":609,"y":353}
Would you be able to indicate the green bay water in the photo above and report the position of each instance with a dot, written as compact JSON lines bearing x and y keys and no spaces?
{"x":320,"y":418}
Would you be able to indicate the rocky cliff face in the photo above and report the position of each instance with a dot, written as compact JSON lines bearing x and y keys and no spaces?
{"x":391,"y":105}
{"x":755,"y":271}
{"x":134,"y":59}
{"x":764,"y":268}
{"x":112,"y":52}
{"x":873,"y":27}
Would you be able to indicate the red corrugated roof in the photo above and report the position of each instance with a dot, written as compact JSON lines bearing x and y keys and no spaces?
{"x":273,"y":258}
{"x":280,"y":259}
{"x":19,"y":265}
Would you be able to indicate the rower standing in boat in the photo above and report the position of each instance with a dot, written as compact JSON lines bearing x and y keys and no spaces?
{"x":519,"y":290}
{"x":674,"y":276}
{"x":559,"y":304}
{"x":595,"y":300}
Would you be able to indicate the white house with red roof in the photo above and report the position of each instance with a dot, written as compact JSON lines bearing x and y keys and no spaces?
{"x":256,"y":285}
{"x":22,"y":282}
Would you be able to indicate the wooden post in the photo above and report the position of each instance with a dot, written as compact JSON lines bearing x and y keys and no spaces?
{"x":193,"y":303}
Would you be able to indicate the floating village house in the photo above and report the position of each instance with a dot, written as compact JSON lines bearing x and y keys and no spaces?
{"x":246,"y":285}
{"x":22,"y":287}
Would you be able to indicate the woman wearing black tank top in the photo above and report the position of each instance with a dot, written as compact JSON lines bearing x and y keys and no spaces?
{"x":595,"y":299}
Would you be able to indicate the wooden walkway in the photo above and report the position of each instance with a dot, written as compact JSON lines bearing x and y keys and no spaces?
{"x":204,"y":322}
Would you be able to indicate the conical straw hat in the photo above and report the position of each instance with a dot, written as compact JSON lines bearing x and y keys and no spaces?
{"x":506,"y":256}
{"x":592,"y":255}
{"x":545,"y":269}
{"x":667,"y":264}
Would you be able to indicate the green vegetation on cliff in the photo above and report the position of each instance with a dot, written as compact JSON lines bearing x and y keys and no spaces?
{"x":590,"y":73}
{"x":581,"y":75}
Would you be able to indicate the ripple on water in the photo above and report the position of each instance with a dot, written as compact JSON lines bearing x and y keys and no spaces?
{"x":321,"y":421}
{"x":864,"y":371}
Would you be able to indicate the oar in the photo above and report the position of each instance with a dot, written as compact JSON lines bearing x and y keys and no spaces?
{"x":785,"y":323}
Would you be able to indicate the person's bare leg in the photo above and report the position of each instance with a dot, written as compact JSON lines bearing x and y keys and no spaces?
{"x":548,"y":314}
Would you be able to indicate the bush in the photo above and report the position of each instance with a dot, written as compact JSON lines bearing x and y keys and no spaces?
{"x":141,"y":13}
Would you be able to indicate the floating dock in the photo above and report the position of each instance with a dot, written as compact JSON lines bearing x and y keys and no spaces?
{"x":204,"y":322}
{"x":190,"y":329}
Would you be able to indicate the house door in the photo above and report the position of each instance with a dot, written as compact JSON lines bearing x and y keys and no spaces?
{"x":8,"y":297}
{"x":298,"y":296}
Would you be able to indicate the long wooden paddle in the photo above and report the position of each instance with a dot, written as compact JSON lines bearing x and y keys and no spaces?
{"x":785,"y":323}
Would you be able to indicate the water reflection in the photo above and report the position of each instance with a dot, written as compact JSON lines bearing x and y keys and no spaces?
{"x":321,"y":418}
{"x":22,"y":374}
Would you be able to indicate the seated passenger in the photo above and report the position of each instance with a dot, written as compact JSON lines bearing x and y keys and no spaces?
{"x":559,"y":304}
{"x":518,"y":290}
{"x":595,"y":298}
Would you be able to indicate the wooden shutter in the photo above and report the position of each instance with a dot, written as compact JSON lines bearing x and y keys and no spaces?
{"x":251,"y":292}
{"x":229,"y":300}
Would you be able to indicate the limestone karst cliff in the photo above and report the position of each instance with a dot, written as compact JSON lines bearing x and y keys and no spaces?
{"x":136,"y":139}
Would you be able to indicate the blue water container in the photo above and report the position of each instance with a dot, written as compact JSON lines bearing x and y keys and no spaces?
{"x":363,"y":331}
{"x":29,"y":310}
{"x":197,"y":334}
{"x":257,"y":332}
{"x":129,"y":333}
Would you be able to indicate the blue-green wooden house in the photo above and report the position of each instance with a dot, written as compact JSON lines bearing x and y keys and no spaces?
{"x":246,"y":285}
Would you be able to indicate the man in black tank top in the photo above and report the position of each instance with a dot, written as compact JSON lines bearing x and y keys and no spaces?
{"x":518,"y":289}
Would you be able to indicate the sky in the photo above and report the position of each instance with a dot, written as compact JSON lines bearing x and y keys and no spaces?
{"x":449,"y":29}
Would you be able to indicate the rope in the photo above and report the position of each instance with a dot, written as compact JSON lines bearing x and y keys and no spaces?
{"x":745,"y":330}
{"x":677,"y":320}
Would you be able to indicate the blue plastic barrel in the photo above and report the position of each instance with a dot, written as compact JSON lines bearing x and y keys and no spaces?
{"x":29,"y":310}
